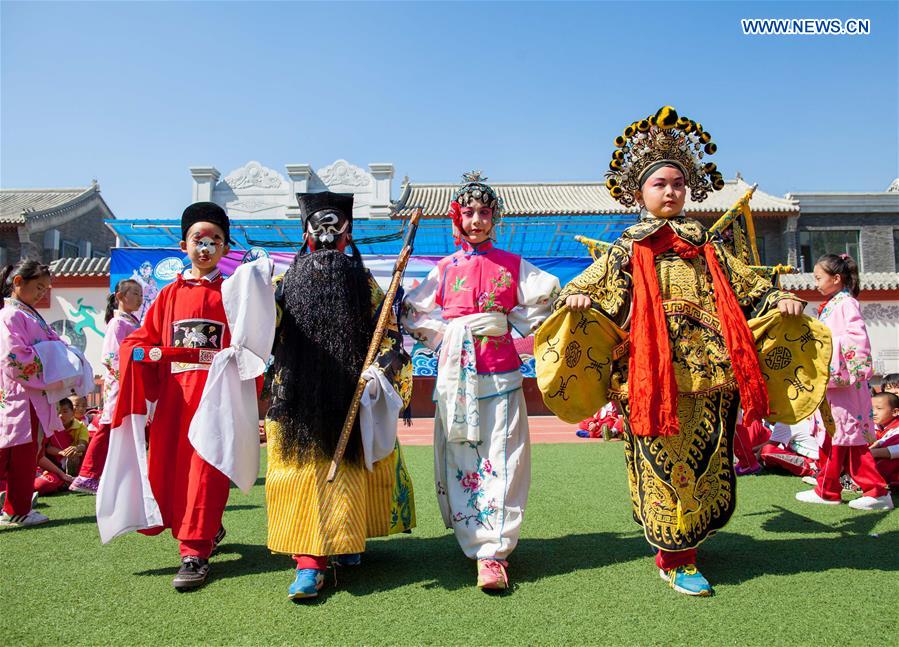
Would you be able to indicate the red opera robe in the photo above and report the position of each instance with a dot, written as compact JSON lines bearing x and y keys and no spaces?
{"x":190,"y":493}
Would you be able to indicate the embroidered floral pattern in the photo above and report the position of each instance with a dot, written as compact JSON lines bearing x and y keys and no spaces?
{"x":26,"y":370}
{"x":459,"y":284}
{"x":487,"y":300}
{"x":3,"y":401}
{"x":481,"y":511}
{"x":111,"y":362}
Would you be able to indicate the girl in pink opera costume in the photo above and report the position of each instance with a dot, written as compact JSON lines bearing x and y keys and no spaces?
{"x":466,"y":309}
{"x":123,"y":305}
{"x":848,"y":393}
{"x":26,"y":413}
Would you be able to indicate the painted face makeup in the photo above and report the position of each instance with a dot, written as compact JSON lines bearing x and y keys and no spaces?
{"x":205,"y":245}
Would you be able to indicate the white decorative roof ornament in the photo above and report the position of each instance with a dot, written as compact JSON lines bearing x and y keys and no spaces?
{"x":251,"y":205}
{"x":254,"y":174}
{"x":894,"y":186}
{"x":342,"y":174}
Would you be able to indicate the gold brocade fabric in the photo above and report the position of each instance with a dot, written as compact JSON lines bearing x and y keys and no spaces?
{"x":682,"y":487}
{"x":794,"y":356}
{"x":573,"y":353}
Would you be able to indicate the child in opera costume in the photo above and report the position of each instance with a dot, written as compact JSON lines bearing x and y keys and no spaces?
{"x":121,"y":321}
{"x":466,"y":309}
{"x":328,"y":304}
{"x":182,"y":481}
{"x":659,"y":323}
{"x":27,"y":416}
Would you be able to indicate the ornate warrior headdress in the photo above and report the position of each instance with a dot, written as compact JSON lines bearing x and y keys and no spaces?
{"x":662,"y":137}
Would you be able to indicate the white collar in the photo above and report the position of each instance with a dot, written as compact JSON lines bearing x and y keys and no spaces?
{"x":187,"y":275}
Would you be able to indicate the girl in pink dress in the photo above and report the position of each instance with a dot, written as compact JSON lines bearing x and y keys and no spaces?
{"x":466,"y":309}
{"x":123,"y":304}
{"x":26,"y":414}
{"x":848,"y":393}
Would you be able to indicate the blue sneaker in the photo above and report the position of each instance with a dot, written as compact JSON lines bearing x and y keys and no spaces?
{"x":350,"y":559}
{"x":687,"y":580}
{"x":307,"y":584}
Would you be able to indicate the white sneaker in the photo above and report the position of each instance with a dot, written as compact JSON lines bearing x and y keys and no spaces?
{"x":810,"y":480}
{"x":884,"y":502}
{"x":22,"y":520}
{"x":810,"y":496}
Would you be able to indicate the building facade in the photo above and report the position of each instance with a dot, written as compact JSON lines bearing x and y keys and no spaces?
{"x":49,"y":224}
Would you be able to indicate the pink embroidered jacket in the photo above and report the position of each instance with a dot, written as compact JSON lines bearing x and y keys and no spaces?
{"x":848,"y":391}
{"x":481,"y":278}
{"x":119,"y":327}
{"x":22,"y":376}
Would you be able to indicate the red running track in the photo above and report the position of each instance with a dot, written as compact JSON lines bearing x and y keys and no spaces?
{"x":544,"y":429}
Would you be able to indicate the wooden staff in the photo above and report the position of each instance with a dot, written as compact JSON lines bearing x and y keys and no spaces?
{"x":375,"y":345}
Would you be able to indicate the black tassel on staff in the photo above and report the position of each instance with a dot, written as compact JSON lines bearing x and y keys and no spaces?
{"x":380,"y":329}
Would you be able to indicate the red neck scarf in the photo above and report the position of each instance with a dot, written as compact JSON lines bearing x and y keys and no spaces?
{"x":652,"y":387}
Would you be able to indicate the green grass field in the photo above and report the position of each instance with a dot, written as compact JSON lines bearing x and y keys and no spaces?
{"x":784,"y":573}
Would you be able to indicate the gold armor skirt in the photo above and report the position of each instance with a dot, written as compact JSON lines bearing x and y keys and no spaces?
{"x":683,"y":487}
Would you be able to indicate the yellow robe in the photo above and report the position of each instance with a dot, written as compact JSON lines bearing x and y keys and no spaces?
{"x":309,"y":516}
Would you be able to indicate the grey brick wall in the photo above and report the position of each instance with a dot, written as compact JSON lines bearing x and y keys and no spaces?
{"x":89,"y":227}
{"x":875,"y":236}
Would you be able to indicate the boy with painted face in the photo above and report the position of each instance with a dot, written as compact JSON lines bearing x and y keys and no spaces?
{"x":681,"y":301}
{"x":191,"y":494}
{"x":466,"y":309}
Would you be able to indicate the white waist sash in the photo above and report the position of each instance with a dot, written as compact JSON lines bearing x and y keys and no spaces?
{"x":457,"y":373}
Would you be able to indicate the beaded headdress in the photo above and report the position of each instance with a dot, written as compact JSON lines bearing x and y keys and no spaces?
{"x":475,"y":187}
{"x":662,"y":138}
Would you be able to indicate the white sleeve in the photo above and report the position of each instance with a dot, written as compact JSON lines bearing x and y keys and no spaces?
{"x":421,"y":316}
{"x":536,"y":292}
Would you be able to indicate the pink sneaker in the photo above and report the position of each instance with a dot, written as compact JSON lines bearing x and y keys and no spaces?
{"x":492,"y":574}
{"x":84,"y":485}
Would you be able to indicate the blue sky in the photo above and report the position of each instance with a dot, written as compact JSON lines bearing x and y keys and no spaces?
{"x":132,"y":94}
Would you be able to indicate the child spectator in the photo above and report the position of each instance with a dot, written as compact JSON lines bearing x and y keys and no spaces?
{"x":607,"y":424}
{"x":890,"y":384}
{"x":63,"y":452}
{"x":848,"y":393}
{"x":885,"y":449}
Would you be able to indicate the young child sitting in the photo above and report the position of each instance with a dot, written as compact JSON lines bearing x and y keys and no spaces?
{"x":890,"y":384}
{"x":79,"y":403}
{"x":885,"y":449}
{"x":63,"y":452}
{"x":606,"y":423}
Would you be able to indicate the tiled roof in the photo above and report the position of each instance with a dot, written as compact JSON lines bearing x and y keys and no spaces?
{"x":580,"y":198}
{"x":869,"y":281}
{"x":80,"y":267}
{"x":18,"y":204}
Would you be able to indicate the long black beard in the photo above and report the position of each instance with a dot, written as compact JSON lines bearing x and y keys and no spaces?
{"x":325,"y":330}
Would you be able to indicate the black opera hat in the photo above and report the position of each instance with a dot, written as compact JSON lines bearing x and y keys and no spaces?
{"x":205,"y":212}
{"x":312,"y":203}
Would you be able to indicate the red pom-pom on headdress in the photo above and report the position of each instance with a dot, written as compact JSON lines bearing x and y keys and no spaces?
{"x":455,"y":213}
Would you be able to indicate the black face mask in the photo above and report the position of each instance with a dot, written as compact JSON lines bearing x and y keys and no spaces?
{"x":325,"y":228}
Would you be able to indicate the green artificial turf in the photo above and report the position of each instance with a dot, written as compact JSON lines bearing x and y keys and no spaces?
{"x":784,"y":573}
